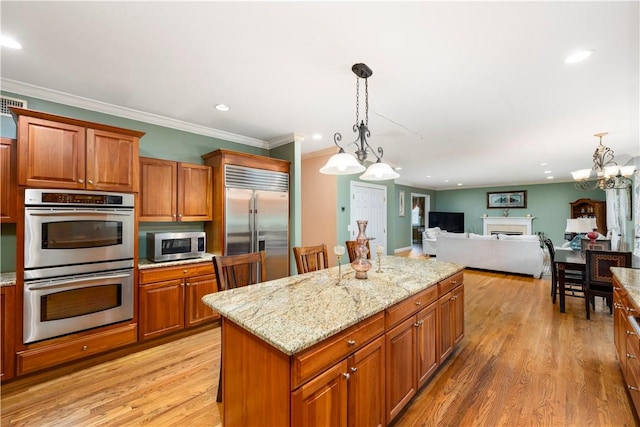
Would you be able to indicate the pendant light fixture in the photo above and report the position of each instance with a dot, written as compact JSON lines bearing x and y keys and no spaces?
{"x":344,"y":163}
{"x":608,"y":174}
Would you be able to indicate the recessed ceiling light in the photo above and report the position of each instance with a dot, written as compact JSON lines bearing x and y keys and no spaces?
{"x":547,"y":171}
{"x":578,"y":56}
{"x":550,"y":177}
{"x":398,"y":168}
{"x":222,"y":107}
{"x":317,"y":136}
{"x":459,"y":184}
{"x":446,"y":180}
{"x":9,"y":42}
{"x":428,"y":176}
{"x":544,"y":164}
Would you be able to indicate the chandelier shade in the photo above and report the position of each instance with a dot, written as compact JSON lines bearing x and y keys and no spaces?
{"x":343,"y":163}
{"x":608,"y":174}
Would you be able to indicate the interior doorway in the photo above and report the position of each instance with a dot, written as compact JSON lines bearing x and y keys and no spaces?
{"x":419,"y":213}
{"x":369,"y":202}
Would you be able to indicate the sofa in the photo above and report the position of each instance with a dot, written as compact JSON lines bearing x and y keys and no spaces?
{"x":429,"y":238}
{"x":511,"y":254}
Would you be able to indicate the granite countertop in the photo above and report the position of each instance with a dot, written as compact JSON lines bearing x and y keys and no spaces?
{"x":296,"y":312}
{"x":629,"y":278}
{"x":8,"y":279}
{"x":144,"y":264}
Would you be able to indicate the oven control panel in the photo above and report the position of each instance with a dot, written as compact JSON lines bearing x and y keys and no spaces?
{"x":34,"y":197}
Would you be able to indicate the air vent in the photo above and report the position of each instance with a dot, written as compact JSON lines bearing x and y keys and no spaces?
{"x":6,"y":102}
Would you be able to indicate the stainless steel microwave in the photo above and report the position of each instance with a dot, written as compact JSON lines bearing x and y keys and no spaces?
{"x":175,"y":246}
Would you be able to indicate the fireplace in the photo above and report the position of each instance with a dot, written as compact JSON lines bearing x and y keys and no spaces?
{"x":507,"y":225}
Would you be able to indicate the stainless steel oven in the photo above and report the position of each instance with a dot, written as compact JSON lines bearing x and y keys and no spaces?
{"x":78,"y":261}
{"x":73,"y":232}
{"x":55,"y":307}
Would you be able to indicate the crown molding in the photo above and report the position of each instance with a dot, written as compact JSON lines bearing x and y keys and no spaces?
{"x":285,"y":139}
{"x":127,"y":113}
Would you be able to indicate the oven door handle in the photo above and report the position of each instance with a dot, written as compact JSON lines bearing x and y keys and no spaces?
{"x":67,"y":282}
{"x":78,"y":213}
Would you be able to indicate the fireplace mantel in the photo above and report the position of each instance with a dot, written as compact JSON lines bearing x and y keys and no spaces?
{"x":493,"y":224}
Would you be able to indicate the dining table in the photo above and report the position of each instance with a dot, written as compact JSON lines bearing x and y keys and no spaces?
{"x":567,"y":260}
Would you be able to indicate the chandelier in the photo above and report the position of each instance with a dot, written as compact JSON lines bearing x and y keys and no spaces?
{"x":609,"y":175}
{"x":343,"y":163}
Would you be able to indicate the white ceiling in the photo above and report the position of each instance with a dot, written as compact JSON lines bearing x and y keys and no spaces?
{"x":471,"y":92}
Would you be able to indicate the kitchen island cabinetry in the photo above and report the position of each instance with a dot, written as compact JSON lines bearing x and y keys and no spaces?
{"x":174,"y":191}
{"x":7,"y":311}
{"x":61,"y":152}
{"x":8,"y":181}
{"x":315,"y":372}
{"x":171,"y":298}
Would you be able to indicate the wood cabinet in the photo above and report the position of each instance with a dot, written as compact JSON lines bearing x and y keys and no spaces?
{"x":217,"y":160}
{"x":7,"y":311}
{"x":362,"y":376}
{"x":626,"y":335}
{"x":8,"y":181}
{"x":174,"y":191}
{"x":171,"y":298}
{"x":353,"y":388}
{"x":60,"y":152}
{"x":587,"y":208}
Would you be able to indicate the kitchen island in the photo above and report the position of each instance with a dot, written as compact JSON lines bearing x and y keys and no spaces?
{"x":307,"y":350}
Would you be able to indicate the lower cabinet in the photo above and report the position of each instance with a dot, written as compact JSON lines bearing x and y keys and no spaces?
{"x":7,"y":310}
{"x":352,"y":388}
{"x":451,"y":316}
{"x":171,"y":298}
{"x":626,"y":336}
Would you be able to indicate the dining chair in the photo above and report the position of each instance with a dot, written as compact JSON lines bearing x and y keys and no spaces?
{"x":351,"y":249}
{"x":573,"y":279}
{"x":235,"y":271}
{"x":311,"y":258}
{"x":597,"y":245}
{"x":599,"y":276}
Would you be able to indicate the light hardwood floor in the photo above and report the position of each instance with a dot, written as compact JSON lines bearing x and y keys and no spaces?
{"x":521,"y":363}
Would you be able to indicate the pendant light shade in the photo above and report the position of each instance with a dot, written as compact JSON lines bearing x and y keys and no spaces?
{"x":347,"y":164}
{"x":342,"y":164}
{"x":379,"y":172}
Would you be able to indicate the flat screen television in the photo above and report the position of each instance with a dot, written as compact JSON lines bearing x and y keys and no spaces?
{"x":453,"y":222}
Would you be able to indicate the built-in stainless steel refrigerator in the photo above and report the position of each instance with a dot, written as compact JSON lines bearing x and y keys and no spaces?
{"x":257,"y":216}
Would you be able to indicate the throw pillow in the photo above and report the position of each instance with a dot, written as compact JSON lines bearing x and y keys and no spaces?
{"x":483,"y":236}
{"x":455,"y":235}
{"x":518,"y":237}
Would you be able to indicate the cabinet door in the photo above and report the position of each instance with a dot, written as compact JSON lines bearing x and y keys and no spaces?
{"x":8,"y":181}
{"x":400,"y":349}
{"x":158,"y":189}
{"x":366,"y":386}
{"x":194,"y":192}
{"x":620,"y":324}
{"x":112,"y":161}
{"x":323,"y":400}
{"x":161,"y":308}
{"x":50,"y":154}
{"x":196,"y":310}
{"x":458,"y":314}
{"x":446,"y":318}
{"x":7,"y":310}
{"x":428,"y":357}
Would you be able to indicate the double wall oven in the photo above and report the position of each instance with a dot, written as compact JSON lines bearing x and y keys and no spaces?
{"x":78,"y":261}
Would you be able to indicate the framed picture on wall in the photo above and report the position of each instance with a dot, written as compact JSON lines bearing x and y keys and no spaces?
{"x":401,"y":203}
{"x":512,"y":199}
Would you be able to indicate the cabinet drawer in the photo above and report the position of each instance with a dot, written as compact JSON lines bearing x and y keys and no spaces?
{"x":177,"y":272}
{"x":310,"y":362}
{"x":449,"y":283}
{"x":409,"y":306}
{"x":43,"y":357}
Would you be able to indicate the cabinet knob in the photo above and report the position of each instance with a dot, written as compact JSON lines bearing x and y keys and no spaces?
{"x":179,"y":215}
{"x":351,"y":342}
{"x":90,"y":182}
{"x":418,"y":323}
{"x":454,"y":282}
{"x":81,"y":181}
{"x":630,"y":333}
{"x":85,"y":348}
{"x":346,"y":375}
{"x":354,"y":370}
{"x":630,"y":356}
{"x":418,"y":303}
{"x":630,"y":387}
{"x":185,"y":271}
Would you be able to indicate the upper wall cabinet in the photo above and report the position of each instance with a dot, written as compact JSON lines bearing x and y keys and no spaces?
{"x":60,"y":152}
{"x":174,"y":191}
{"x":8,"y":185}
